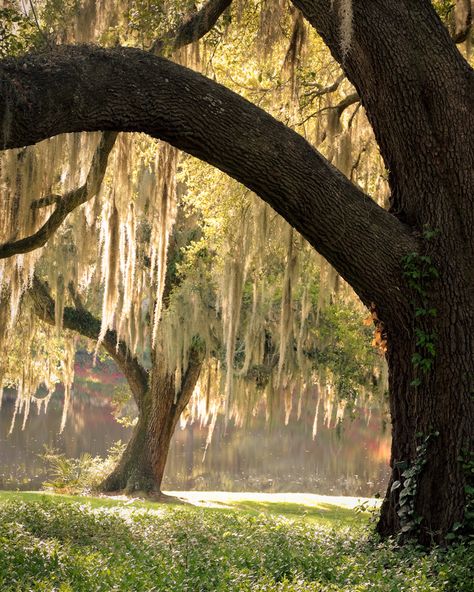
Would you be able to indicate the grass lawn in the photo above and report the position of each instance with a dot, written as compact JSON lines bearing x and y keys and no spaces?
{"x":212,"y":542}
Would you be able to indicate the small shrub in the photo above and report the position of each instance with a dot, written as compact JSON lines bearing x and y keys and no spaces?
{"x":79,"y":475}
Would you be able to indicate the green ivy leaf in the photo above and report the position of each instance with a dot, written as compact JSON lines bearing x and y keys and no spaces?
{"x":395,"y":485}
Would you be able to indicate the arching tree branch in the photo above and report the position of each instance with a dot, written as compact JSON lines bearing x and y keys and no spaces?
{"x":81,"y":321}
{"x":129,"y":90}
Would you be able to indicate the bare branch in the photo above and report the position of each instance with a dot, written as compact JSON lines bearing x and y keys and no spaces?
{"x":353,"y":114}
{"x":462,"y":20}
{"x":313,"y":94}
{"x":339,"y":108}
{"x":356,"y":163}
{"x":346,"y":102}
{"x":192,"y":29}
{"x":47,"y":200}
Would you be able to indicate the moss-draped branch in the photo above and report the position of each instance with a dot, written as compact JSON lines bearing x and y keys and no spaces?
{"x":80,"y":320}
{"x":121,"y":89}
{"x":191,"y":29}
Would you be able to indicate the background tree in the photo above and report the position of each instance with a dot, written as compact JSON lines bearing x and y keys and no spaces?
{"x":159,"y":397}
{"x":286,"y":337}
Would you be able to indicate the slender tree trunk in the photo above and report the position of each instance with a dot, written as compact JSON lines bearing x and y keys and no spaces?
{"x":143,"y":462}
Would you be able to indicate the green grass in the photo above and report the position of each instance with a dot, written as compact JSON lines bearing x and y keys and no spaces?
{"x":69,"y":543}
{"x":322,"y":514}
{"x":94,"y":502}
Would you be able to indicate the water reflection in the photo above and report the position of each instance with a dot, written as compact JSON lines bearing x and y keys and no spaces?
{"x":351,"y":461}
{"x":285,"y":458}
{"x":89,"y":428}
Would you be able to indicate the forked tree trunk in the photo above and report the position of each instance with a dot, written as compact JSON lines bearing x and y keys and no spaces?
{"x":143,"y":462}
{"x":159,"y":404}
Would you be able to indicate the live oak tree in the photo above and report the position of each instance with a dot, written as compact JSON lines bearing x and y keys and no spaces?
{"x":242,"y":313}
{"x":159,"y":393}
{"x":410,"y":264}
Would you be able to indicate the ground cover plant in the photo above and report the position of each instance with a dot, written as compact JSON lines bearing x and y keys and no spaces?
{"x":56,"y":543}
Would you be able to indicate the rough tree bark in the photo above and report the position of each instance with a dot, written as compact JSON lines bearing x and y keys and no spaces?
{"x":159,"y":403}
{"x":143,"y":463}
{"x":418,"y":93}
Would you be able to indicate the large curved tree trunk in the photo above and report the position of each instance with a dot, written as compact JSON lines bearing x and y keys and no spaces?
{"x":418,"y":93}
{"x":142,"y":465}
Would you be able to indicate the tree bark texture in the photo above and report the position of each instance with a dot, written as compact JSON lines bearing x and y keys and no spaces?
{"x":440,"y":412}
{"x":418,"y":93}
{"x":129,"y":90}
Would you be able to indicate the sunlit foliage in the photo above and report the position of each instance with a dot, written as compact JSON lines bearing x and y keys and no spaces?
{"x":275,"y":319}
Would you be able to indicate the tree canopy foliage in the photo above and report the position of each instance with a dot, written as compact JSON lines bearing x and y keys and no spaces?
{"x":237,"y":248}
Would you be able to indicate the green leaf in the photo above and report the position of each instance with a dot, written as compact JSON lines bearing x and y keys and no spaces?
{"x":395,"y":485}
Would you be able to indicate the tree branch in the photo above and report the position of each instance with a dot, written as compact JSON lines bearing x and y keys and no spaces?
{"x":338,"y":109}
{"x":65,"y":204}
{"x":80,"y":320}
{"x":320,"y":91}
{"x":192,"y":29}
{"x":130,"y":90}
{"x":47,"y":200}
{"x":462,"y":21}
{"x":346,"y":102}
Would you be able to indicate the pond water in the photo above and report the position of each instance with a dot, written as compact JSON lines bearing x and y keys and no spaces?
{"x":352,"y":460}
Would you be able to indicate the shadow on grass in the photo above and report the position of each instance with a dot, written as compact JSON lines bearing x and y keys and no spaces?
{"x":321,"y":513}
